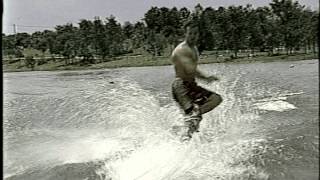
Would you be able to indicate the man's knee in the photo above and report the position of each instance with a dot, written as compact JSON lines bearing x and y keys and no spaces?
{"x":212,"y":102}
{"x":219,"y":99}
{"x":215,"y":99}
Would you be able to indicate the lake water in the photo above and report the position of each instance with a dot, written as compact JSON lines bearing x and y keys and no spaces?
{"x":116,"y":124}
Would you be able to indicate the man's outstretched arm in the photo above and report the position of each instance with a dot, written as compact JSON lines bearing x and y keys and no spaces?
{"x":207,"y":78}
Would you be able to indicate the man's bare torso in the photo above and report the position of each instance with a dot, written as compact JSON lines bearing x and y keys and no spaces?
{"x":185,"y":59}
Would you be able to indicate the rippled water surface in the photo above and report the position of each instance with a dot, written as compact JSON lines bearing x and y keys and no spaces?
{"x":116,"y":124}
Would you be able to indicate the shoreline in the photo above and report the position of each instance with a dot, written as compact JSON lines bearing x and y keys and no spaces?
{"x":147,"y":61}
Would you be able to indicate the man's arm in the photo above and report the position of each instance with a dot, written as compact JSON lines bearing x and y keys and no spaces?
{"x":202,"y":76}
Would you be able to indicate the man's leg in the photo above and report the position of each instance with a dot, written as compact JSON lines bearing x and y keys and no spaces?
{"x":211,"y":102}
{"x":194,"y":118}
{"x":181,"y":96}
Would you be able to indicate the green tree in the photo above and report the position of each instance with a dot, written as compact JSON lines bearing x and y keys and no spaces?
{"x":139,"y":35}
{"x":38,"y":41}
{"x":208,"y":36}
{"x":153,"y":19}
{"x":115,"y":38}
{"x":257,"y":28}
{"x":315,"y":30}
{"x":184,"y":15}
{"x":287,"y":13}
{"x":50,"y":37}
{"x":235,"y":28}
{"x":8,"y":44}
{"x":128,"y":30}
{"x":66,"y":41}
{"x":23,"y":40}
{"x":155,"y":43}
{"x":272,"y":35}
{"x":86,"y":36}
{"x":100,"y":36}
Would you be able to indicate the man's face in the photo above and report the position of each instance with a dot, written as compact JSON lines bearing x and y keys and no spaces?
{"x":192,"y":34}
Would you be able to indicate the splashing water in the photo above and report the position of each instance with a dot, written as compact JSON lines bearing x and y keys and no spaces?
{"x":218,"y":151}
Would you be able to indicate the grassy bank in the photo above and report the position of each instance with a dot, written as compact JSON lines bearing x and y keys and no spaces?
{"x":130,"y":61}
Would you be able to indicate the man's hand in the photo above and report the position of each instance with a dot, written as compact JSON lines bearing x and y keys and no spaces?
{"x":210,"y":79}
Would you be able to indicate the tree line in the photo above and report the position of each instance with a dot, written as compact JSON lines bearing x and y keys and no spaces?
{"x":283,"y":24}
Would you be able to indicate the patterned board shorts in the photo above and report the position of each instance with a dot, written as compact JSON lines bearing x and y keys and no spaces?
{"x":187,"y":93}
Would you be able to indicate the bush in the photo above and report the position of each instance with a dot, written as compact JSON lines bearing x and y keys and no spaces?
{"x":30,"y":62}
{"x":18,"y":53}
{"x":41,"y":61}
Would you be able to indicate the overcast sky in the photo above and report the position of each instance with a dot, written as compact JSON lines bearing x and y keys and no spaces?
{"x":46,"y":14}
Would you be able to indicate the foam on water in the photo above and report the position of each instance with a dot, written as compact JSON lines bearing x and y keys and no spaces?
{"x":277,"y":103}
{"x":275,"y":106}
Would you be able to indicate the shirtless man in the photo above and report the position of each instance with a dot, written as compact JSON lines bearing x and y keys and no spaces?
{"x":192,"y":99}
